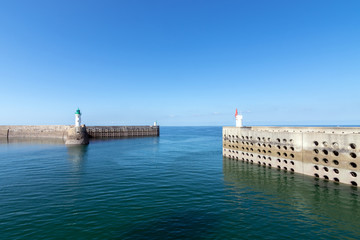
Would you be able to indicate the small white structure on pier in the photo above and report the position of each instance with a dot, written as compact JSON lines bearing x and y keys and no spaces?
{"x":77,"y":118}
{"x":238,"y":119}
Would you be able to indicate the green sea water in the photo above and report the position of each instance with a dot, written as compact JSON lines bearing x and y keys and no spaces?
{"x":175,"y":186}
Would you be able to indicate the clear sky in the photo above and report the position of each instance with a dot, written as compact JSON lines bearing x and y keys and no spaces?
{"x":180,"y":62}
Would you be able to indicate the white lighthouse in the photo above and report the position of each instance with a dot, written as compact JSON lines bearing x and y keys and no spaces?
{"x":77,"y":118}
{"x":238,"y":119}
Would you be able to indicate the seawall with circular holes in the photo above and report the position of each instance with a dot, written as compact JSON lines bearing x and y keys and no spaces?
{"x":330,"y":153}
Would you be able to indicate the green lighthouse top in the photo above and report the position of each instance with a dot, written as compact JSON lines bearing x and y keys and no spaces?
{"x":78,"y":111}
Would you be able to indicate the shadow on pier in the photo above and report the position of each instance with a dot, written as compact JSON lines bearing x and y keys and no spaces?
{"x":27,"y":140}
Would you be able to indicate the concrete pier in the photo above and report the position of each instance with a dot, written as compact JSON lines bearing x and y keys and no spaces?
{"x":324,"y":152}
{"x":75,"y":135}
{"x":122,"y":131}
{"x":34,"y":131}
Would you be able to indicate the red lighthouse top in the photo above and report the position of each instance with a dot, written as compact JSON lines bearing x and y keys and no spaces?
{"x":236,"y":113}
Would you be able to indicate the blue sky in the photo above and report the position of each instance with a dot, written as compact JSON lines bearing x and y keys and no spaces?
{"x":180,"y":62}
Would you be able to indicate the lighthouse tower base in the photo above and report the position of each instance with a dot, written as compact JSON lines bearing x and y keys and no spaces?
{"x":77,"y":136}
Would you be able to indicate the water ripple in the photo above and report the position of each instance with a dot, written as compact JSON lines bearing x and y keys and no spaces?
{"x":173,"y":186}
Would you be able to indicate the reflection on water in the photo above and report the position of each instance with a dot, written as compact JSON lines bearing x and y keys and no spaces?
{"x":76,"y":155}
{"x":315,"y":199}
{"x":167,"y":187}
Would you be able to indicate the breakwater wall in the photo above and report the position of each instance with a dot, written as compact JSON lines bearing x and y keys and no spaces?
{"x":66,"y":132}
{"x":122,"y":131}
{"x":41,"y":131}
{"x":324,"y":152}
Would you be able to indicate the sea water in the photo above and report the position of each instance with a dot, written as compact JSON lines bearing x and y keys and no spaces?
{"x":175,"y":186}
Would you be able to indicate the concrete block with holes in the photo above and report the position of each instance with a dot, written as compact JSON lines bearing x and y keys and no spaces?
{"x":331,"y":153}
